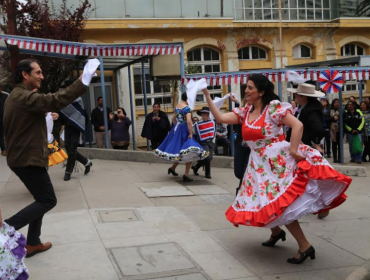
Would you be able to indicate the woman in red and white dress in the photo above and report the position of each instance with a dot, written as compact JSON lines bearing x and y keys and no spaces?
{"x":284,"y":181}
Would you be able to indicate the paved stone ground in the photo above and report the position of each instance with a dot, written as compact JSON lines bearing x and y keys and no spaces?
{"x":130,"y":220}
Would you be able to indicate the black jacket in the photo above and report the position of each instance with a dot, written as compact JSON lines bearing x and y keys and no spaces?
{"x":353,"y":121}
{"x":157,"y":129}
{"x":311,"y":116}
{"x":97,"y":118}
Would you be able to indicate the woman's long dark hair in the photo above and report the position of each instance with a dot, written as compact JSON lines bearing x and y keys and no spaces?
{"x":332,"y":104}
{"x":264,"y":85}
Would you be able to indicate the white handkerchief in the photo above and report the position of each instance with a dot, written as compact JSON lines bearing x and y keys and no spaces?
{"x":49,"y":127}
{"x":218,"y":103}
{"x":89,"y":71}
{"x":192,"y":89}
{"x":294,"y":77}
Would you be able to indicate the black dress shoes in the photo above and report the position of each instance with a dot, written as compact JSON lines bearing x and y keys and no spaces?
{"x":67,"y":176}
{"x":170,"y":171}
{"x":88,"y":167}
{"x":274,"y":239}
{"x":310,"y":252}
{"x":187,"y":179}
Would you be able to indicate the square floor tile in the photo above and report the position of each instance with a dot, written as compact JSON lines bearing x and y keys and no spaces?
{"x":117,"y":216}
{"x":207,"y":189}
{"x":151,"y":259}
{"x":218,"y":198}
{"x":190,"y":276}
{"x":196,"y":182}
{"x":165,"y":191}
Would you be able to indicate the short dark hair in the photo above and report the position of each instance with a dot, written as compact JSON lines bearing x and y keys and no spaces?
{"x":23,"y":65}
{"x":184,"y":96}
{"x":263,"y":84}
{"x":156,"y":103}
{"x":100,"y":97}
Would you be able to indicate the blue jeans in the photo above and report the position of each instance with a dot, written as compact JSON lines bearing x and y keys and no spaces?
{"x":357,"y":157}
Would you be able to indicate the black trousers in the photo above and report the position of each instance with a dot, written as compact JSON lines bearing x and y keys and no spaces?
{"x":335,"y":147}
{"x":209,"y":147}
{"x":225,"y":145}
{"x":2,"y":141}
{"x":72,"y":136}
{"x":37,"y":181}
{"x":327,"y":143}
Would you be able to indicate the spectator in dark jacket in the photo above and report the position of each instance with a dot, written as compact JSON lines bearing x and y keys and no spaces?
{"x":310,"y":114}
{"x":353,"y":125}
{"x":97,"y":119}
{"x":156,"y":126}
{"x":334,"y":129}
{"x":326,"y":125}
{"x":120,"y":129}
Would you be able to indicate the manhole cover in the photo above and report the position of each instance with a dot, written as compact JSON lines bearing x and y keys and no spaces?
{"x":117,"y":216}
{"x":162,"y":259}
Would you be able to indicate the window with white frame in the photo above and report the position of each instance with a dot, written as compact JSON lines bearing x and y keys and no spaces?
{"x":352,"y":50}
{"x":205,"y":60}
{"x":302,"y":10}
{"x":156,"y":91}
{"x":252,"y":53}
{"x":301,"y":51}
{"x":353,"y":86}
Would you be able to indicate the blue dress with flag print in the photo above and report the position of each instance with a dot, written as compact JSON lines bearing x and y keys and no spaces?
{"x":177,"y":146}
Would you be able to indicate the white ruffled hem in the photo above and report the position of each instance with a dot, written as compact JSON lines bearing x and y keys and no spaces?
{"x":319,"y":194}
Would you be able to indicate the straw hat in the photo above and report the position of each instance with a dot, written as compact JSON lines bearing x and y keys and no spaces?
{"x":306,"y":90}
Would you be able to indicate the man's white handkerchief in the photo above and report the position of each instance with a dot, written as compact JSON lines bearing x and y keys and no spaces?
{"x":89,"y":71}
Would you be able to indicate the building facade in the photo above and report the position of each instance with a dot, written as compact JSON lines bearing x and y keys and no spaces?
{"x":226,"y":35}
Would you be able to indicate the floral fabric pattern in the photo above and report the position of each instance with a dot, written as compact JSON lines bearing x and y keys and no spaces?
{"x":12,"y":252}
{"x":273,"y":179}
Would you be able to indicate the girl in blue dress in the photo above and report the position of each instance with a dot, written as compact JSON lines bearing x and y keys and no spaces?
{"x":179,"y":145}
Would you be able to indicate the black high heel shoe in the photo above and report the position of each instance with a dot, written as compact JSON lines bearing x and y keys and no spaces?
{"x":271,"y":243}
{"x":310,"y":252}
{"x":187,"y":179}
{"x":172,"y":172}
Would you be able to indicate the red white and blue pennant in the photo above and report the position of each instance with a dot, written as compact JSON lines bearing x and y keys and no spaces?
{"x":331,"y":81}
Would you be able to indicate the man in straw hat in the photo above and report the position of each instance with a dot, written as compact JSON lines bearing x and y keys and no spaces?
{"x":206,"y":131}
{"x":310,"y":114}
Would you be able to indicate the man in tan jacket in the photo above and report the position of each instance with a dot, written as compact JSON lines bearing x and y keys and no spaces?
{"x":26,"y":138}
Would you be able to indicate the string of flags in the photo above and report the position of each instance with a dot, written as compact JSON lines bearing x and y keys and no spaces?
{"x":314,"y":75}
{"x":82,"y":49}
